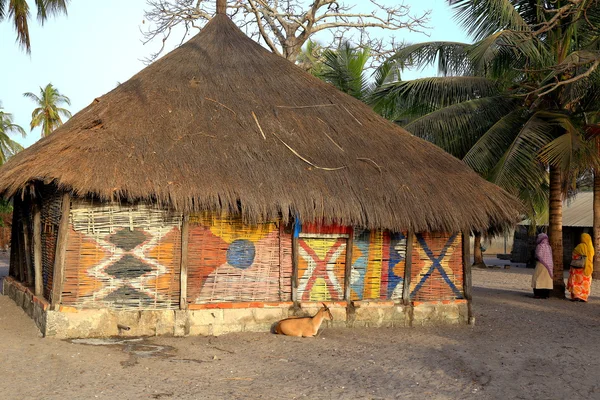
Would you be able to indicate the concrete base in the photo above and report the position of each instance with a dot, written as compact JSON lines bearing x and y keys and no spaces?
{"x":218,"y":319}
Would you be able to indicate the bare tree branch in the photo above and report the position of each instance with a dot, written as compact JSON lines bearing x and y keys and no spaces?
{"x":283,"y":25}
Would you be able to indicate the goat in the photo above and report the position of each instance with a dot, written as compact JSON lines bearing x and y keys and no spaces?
{"x":303,"y":326}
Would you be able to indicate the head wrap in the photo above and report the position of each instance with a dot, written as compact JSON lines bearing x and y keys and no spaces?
{"x":586,"y":248}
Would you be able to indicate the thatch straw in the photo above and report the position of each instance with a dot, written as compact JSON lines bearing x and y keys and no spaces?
{"x":182,"y":133}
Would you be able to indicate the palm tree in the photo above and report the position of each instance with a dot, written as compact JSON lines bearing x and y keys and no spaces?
{"x":18,"y":11}
{"x":8,"y":147}
{"x":516,"y":104}
{"x":346,"y":69}
{"x":48,"y":113}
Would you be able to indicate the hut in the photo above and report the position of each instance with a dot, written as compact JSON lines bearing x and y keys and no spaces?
{"x":221,"y":189}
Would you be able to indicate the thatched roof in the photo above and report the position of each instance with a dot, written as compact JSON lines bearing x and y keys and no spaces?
{"x":221,"y":123}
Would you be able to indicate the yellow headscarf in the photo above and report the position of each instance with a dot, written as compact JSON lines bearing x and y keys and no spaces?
{"x":586,"y":248}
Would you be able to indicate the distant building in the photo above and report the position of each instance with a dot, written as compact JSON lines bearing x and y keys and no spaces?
{"x":578,"y":217}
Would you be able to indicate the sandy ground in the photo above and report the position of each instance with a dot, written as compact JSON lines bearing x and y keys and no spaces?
{"x":520,"y":348}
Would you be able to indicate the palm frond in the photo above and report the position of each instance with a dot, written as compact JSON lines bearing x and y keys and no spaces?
{"x":482,"y":18}
{"x":451,"y":57}
{"x":503,"y":50}
{"x":344,"y":69}
{"x":457,"y":128}
{"x":18,"y":10}
{"x":64,"y":112}
{"x":489,"y":148}
{"x":45,"y":8}
{"x":519,"y":165}
{"x":562,"y":151}
{"x":32,"y":96}
{"x":434,"y":93}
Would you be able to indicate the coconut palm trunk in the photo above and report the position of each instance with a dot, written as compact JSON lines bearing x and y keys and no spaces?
{"x":596,"y":273}
{"x":555,"y":230}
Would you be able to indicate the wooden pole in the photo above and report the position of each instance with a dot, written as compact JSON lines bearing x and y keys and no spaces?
{"x":27,"y":247}
{"x":17,"y":239}
{"x":13,"y":269}
{"x":596,"y":218}
{"x":61,"y":251}
{"x":348,"y":271}
{"x":37,"y":250}
{"x":467,"y":279}
{"x":19,"y":242}
{"x":295,"y":269}
{"x":281,"y":283}
{"x":185,"y":229}
{"x":555,"y":230}
{"x":408,"y":268}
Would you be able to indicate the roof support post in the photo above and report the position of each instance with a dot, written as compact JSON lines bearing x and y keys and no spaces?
{"x":410,"y":238}
{"x":281,"y":283}
{"x":12,"y":266}
{"x":183,"y":271}
{"x":467,"y":280}
{"x":37,"y":250}
{"x":297,"y":227}
{"x":348,"y":271}
{"x":61,"y":251}
{"x":16,"y":259}
{"x":27,"y":243}
{"x":295,"y":270}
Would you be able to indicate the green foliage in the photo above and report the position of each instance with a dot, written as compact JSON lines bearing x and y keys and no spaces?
{"x":18,"y":12}
{"x":524,"y":95}
{"x":8,"y":147}
{"x":48,"y":113}
{"x":310,"y":58}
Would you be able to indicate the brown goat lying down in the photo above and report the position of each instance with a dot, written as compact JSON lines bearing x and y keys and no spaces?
{"x":303,"y":326}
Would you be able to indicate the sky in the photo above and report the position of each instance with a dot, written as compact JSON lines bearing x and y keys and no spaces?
{"x":87,"y":53}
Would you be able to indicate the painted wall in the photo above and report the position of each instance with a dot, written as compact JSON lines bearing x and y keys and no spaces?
{"x":437,"y":270}
{"x":128,"y":257}
{"x":235,"y":262}
{"x":122,"y":257}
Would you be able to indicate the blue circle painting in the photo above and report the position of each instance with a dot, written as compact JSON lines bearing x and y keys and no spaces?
{"x":240,"y":253}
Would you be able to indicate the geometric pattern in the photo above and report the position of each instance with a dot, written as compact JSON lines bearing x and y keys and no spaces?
{"x":122,"y":257}
{"x":231,"y":261}
{"x":321,"y":268}
{"x":128,"y":268}
{"x":378,"y":260}
{"x":397,"y":265}
{"x":437,"y":267}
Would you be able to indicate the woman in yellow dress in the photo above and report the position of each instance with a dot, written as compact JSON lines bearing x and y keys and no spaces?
{"x":580,"y":279}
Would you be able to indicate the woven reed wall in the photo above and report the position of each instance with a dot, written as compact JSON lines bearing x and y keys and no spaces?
{"x":437,"y":270}
{"x":122,"y":257}
{"x":321,"y":267}
{"x":378,"y":261}
{"x":50,"y":218}
{"x":229,"y":261}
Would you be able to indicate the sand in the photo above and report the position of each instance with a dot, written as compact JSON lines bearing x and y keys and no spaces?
{"x":519,"y":348}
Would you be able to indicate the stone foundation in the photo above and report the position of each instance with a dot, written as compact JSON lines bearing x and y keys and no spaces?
{"x":218,"y":319}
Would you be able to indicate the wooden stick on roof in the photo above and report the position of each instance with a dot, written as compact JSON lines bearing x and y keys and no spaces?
{"x":221,"y":6}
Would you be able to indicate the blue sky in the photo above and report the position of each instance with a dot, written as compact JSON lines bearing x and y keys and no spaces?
{"x":86,"y":53}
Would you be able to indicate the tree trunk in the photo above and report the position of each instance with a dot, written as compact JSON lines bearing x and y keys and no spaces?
{"x":477,"y":253}
{"x":596,"y":273}
{"x":555,"y":231}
